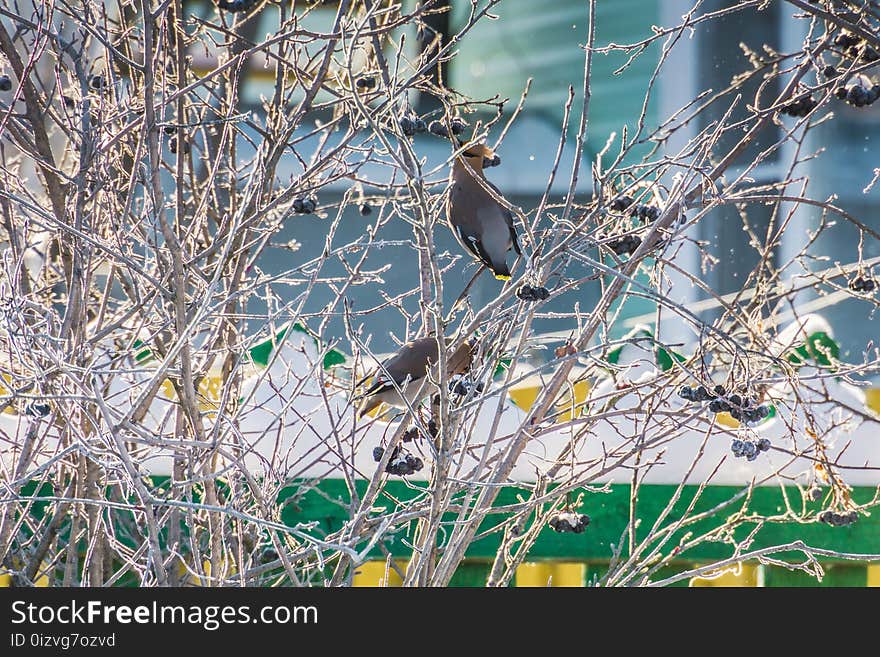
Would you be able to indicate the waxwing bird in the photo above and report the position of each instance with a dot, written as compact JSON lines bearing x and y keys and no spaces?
{"x":408,"y":369}
{"x":482,"y":225}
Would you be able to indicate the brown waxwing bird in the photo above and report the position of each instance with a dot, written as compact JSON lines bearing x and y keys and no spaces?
{"x":408,"y":369}
{"x":482,"y":225}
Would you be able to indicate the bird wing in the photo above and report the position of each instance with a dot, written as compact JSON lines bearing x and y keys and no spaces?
{"x":411,"y":361}
{"x":508,"y":217}
{"x":472,"y":244}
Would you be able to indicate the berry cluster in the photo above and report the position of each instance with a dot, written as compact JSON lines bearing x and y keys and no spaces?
{"x":439,"y":127}
{"x":412,"y":125}
{"x":5,"y":83}
{"x":305,"y":205}
{"x":800,"y":106}
{"x":749,"y":448}
{"x":569,"y":521}
{"x":857,"y":94}
{"x":740,"y":408}
{"x":402,"y":463}
{"x":862,"y":284}
{"x":236,"y":5}
{"x":626,"y":244}
{"x":529,"y":293}
{"x":643,"y":211}
{"x":647,"y":213}
{"x":366,"y":82}
{"x":853,"y":47}
{"x":464,"y":386}
{"x":838,"y":519}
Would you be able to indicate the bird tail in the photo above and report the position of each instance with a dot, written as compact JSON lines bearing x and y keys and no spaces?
{"x":501,"y":271}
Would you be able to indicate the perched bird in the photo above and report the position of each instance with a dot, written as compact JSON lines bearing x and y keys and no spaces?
{"x":480,"y":223}
{"x":413,"y":361}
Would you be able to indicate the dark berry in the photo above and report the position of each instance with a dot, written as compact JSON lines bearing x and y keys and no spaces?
{"x":762,"y":411}
{"x":686,"y":392}
{"x":365,"y":209}
{"x":621,"y":203}
{"x":419,"y":125}
{"x":542,"y":293}
{"x":716,"y":406}
{"x":407,"y":126}
{"x":846,"y":40}
{"x":751,"y":450}
{"x":235,"y":5}
{"x":870,"y":55}
{"x":841,"y":92}
{"x":868,"y":285}
{"x":719,"y":390}
{"x":627,"y":245}
{"x":814,"y":493}
{"x":829,"y":72}
{"x":458,"y":126}
{"x":764,"y":444}
{"x":736,"y":400}
{"x":169,"y":129}
{"x":410,"y":435}
{"x":5,"y":83}
{"x":792,"y":109}
{"x":69,"y":102}
{"x":432,"y":427}
{"x":366,"y":82}
{"x":857,"y":96}
{"x":96,"y":82}
{"x":650,"y":213}
{"x":172,"y":144}
{"x":701,"y":394}
{"x":378,"y":452}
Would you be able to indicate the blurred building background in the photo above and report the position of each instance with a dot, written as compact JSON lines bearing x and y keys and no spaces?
{"x":544,"y":42}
